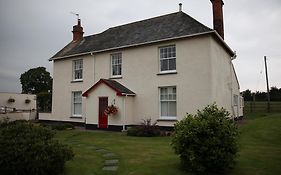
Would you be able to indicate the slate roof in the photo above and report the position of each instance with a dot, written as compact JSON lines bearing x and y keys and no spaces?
{"x":114,"y":85}
{"x":146,"y":31}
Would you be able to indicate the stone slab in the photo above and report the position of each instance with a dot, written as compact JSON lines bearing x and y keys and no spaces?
{"x":110,"y":168}
{"x":101,"y":150}
{"x":109,"y":155}
{"x":111,"y":162}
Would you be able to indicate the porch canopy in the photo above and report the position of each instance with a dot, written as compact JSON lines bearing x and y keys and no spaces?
{"x":114,"y":85}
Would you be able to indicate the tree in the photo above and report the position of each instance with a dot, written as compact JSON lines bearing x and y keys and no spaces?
{"x":275,"y":94}
{"x":36,"y":80}
{"x":248,"y":95}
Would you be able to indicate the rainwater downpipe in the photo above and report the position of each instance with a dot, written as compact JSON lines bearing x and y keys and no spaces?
{"x":231,"y":84}
{"x":94,"y":67}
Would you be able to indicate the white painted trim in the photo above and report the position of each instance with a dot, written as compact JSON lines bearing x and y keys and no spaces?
{"x":168,"y":117}
{"x":167,"y":71}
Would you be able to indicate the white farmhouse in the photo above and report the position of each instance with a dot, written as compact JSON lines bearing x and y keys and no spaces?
{"x":159,"y":68}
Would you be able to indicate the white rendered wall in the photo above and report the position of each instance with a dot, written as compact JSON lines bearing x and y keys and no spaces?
{"x":199,"y":61}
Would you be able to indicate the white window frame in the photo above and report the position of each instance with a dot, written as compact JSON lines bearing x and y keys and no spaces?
{"x":116,"y":64}
{"x":235,"y":100}
{"x":77,"y":65}
{"x":168,"y":100}
{"x":241,"y":102}
{"x":73,"y":103}
{"x":167,"y":56}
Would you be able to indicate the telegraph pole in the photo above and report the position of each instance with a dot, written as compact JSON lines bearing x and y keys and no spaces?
{"x":266,"y":76}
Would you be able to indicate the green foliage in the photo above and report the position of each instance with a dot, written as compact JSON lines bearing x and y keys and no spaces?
{"x":207,"y":141}
{"x":44,"y":100}
{"x":27,"y":149}
{"x":275,"y":95}
{"x":248,"y":95}
{"x":146,"y":129}
{"x":58,"y":126}
{"x":132,"y":131}
{"x":36,"y":80}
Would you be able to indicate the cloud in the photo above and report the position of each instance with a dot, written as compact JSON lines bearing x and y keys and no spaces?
{"x":32,"y":31}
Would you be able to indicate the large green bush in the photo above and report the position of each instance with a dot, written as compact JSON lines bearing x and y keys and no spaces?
{"x":26,"y":149}
{"x":207,"y":141}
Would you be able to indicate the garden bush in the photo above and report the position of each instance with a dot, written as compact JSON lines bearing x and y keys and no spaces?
{"x":146,"y":129}
{"x":207,"y":141}
{"x":58,"y":126}
{"x":27,"y":149}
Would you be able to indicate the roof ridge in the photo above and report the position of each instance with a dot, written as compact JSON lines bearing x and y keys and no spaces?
{"x":181,"y":12}
{"x":144,"y":20}
{"x":136,"y":22}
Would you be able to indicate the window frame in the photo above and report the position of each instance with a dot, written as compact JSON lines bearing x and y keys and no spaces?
{"x":74,"y":70}
{"x":73,"y":104}
{"x":167,"y":100}
{"x":241,"y":102}
{"x":167,"y":58}
{"x":235,"y":100}
{"x":119,"y":63}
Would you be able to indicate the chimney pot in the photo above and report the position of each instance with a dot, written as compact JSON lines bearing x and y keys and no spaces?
{"x":218,"y":16}
{"x":180,"y":7}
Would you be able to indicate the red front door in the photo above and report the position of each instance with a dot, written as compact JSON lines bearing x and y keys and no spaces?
{"x":103,"y":103}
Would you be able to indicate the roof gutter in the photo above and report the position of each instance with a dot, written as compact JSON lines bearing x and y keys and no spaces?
{"x":150,"y":42}
{"x":125,"y":94}
{"x":233,"y":54}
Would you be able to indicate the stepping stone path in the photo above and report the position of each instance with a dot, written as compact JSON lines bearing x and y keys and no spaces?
{"x":111,"y":164}
{"x":111,"y":160}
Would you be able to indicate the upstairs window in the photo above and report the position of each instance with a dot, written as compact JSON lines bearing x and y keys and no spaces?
{"x":168,"y":102}
{"x":167,"y":59}
{"x":116,"y":65}
{"x":77,"y":69}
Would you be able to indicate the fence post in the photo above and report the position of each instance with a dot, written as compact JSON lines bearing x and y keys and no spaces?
{"x":251,"y":107}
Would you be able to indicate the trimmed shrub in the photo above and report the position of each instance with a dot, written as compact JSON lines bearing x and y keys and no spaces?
{"x":58,"y":126}
{"x":27,"y":149}
{"x":207,"y":141}
{"x":146,"y":129}
{"x":132,"y":131}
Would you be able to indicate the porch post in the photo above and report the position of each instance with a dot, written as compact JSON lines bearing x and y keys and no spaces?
{"x":124,"y":115}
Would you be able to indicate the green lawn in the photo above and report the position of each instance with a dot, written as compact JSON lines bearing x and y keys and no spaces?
{"x":260,"y":145}
{"x":260,"y":150}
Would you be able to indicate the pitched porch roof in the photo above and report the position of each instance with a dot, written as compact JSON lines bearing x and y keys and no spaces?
{"x":114,"y":85}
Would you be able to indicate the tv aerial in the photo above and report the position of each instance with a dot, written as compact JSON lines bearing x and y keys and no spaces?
{"x":76,"y":14}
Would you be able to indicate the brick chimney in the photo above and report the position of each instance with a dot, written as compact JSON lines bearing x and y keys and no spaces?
{"x":77,"y":31}
{"x":218,"y":16}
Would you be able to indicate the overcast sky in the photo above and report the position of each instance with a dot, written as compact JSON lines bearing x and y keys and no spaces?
{"x":32,"y":31}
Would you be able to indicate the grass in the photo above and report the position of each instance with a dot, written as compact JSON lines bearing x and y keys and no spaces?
{"x":260,"y":150}
{"x":260,"y":145}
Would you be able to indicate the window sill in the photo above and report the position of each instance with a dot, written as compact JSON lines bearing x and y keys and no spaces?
{"x":167,"y":72}
{"x":77,"y":81}
{"x":116,"y":77}
{"x":167,"y":120}
{"x":76,"y":117}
